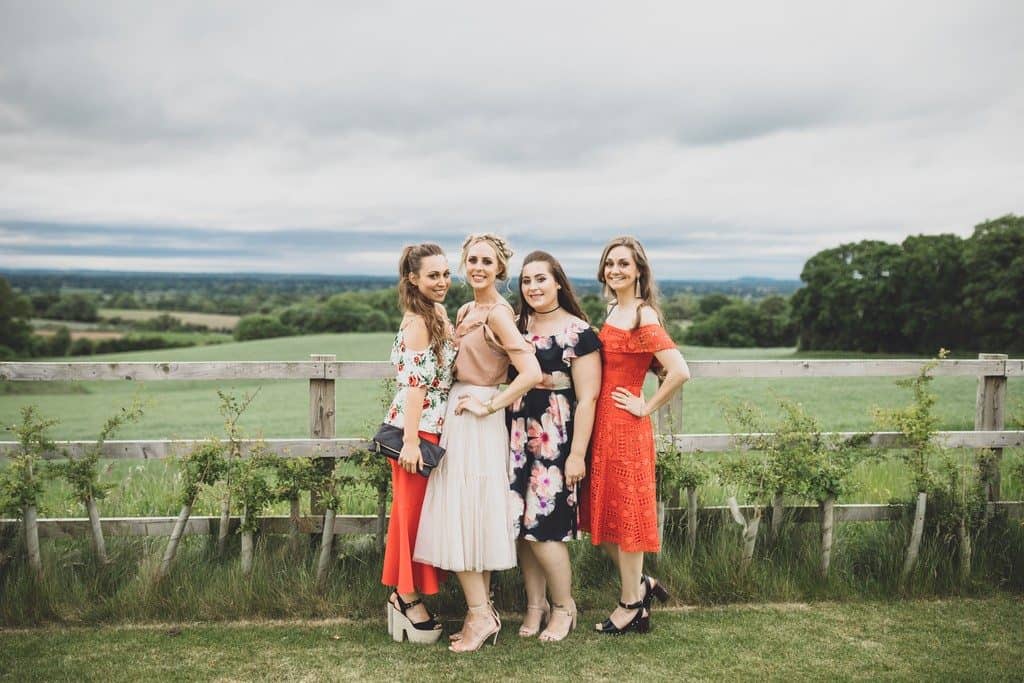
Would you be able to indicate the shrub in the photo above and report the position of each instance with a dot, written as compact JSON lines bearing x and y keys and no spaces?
{"x":82,"y":347}
{"x":261,"y":327}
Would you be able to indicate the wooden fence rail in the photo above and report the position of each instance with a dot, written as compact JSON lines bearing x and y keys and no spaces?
{"x":335,"y":370}
{"x":73,"y":527}
{"x":322,"y":371}
{"x":343,"y":447}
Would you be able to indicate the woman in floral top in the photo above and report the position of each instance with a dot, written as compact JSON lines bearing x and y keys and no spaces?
{"x":549,"y":432}
{"x":423,"y":355}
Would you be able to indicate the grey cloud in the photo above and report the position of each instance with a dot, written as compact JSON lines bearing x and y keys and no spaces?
{"x":192,"y":83}
{"x":579,"y":253}
{"x":706,"y":130}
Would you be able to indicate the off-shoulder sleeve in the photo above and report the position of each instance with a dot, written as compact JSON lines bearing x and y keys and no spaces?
{"x":415,"y":368}
{"x":653,"y":338}
{"x":578,"y":340}
{"x":588,"y":342}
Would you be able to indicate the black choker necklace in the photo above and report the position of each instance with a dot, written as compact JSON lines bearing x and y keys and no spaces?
{"x":546,"y":312}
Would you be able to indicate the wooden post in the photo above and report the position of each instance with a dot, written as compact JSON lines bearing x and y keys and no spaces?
{"x":668,"y":422}
{"x":691,"y":519}
{"x":321,"y":421}
{"x":989,"y":415}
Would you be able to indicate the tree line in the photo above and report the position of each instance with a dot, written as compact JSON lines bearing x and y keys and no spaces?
{"x":929,"y":291}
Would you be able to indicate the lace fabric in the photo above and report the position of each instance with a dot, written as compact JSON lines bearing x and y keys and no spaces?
{"x":618,"y":499}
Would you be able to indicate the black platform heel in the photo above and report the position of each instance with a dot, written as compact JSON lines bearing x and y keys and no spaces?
{"x":653,"y":590}
{"x":403,"y":628}
{"x":640,"y":623}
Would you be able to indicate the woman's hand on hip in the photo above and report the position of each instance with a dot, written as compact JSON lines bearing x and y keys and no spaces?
{"x":466,"y":402}
{"x":631,"y":403}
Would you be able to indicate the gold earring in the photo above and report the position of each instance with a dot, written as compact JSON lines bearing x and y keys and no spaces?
{"x":638,"y":288}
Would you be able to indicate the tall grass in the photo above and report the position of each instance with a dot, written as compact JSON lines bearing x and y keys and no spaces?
{"x":866,"y":564}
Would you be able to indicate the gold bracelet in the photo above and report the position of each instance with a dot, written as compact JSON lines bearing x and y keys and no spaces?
{"x":490,"y":406}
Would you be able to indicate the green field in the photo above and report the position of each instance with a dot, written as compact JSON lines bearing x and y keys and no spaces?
{"x":960,"y":639}
{"x":188,"y":409}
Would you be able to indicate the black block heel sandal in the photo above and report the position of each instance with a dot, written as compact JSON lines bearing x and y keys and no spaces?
{"x":640,"y":623}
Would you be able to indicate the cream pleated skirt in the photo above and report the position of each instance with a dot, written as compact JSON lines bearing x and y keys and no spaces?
{"x":465,"y":524}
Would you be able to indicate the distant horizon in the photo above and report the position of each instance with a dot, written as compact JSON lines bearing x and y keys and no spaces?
{"x":113,"y":271}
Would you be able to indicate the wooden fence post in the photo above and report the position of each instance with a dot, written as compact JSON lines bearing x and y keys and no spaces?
{"x":990,"y":415}
{"x":321,"y":421}
{"x":669,"y":421}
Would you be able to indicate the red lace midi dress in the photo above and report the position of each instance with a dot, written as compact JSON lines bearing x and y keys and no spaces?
{"x":618,"y":501}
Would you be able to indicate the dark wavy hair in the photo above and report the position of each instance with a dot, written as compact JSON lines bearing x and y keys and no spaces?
{"x":566,"y":296}
{"x":648,"y":293}
{"x":412,"y":301}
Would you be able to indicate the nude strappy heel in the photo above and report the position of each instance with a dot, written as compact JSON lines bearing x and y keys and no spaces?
{"x":569,"y":611}
{"x":545,"y":610}
{"x":473,"y":639}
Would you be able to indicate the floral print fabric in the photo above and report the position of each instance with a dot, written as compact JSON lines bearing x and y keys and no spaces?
{"x":540,"y":436}
{"x":421,"y":369}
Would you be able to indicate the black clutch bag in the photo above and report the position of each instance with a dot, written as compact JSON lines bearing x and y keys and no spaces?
{"x":389,"y":439}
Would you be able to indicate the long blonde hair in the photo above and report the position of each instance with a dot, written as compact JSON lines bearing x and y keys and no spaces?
{"x":648,"y":290}
{"x":412,"y":300}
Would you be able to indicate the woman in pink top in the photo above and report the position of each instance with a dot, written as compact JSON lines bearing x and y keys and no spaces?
{"x":465,"y":526}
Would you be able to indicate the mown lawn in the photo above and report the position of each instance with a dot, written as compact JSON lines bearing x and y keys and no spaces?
{"x":956,"y":639}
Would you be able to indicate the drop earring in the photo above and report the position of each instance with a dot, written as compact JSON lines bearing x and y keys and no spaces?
{"x":638,"y":288}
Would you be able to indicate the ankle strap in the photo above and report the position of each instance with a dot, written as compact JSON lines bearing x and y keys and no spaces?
{"x":480,"y":608}
{"x":403,"y":605}
{"x":636,"y":605}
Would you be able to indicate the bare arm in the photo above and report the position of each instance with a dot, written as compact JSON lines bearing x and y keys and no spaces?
{"x":410,"y":459}
{"x":586,"y":381}
{"x":676,"y":373}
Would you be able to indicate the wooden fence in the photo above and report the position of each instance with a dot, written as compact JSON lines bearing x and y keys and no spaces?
{"x":323,"y":371}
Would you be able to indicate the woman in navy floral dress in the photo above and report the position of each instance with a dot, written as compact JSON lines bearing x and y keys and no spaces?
{"x":549,"y":431}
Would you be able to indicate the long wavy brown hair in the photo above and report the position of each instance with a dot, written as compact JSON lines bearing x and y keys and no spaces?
{"x":412,"y":301}
{"x":566,"y":296}
{"x":648,"y":294}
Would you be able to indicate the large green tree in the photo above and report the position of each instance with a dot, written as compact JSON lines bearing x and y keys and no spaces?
{"x":928,"y":282}
{"x":931,"y":291}
{"x":994,"y":288}
{"x":15,"y":331}
{"x":847,"y":302}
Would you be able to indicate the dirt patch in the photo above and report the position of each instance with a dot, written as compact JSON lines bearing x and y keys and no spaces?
{"x":95,"y":335}
{"x":214,"y":321}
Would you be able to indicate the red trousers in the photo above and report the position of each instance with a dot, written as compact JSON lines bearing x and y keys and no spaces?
{"x":407,"y":500}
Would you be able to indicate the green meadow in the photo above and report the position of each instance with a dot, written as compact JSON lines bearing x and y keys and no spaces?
{"x":903,"y":640}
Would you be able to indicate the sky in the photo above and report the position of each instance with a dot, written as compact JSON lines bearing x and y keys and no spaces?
{"x":733,"y":138}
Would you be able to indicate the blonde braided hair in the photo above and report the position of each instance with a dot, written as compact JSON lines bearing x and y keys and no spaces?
{"x":500,"y":246}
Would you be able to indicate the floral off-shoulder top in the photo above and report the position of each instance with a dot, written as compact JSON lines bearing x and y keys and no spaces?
{"x":421,"y":369}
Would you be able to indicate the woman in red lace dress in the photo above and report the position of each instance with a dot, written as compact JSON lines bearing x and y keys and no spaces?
{"x":618,"y":501}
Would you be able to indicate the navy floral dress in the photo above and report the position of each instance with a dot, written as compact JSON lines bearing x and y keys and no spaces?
{"x":540,"y":429}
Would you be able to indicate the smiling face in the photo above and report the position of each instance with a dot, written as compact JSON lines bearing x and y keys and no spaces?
{"x":539,"y":287}
{"x":481,"y":265}
{"x":620,"y":269}
{"x":433,"y":279}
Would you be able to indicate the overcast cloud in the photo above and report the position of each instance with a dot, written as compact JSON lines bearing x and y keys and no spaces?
{"x":733,"y":138}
